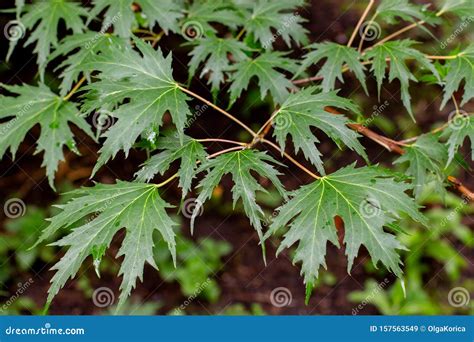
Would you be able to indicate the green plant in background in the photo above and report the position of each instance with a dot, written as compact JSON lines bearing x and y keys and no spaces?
{"x":427,"y":248}
{"x":131,"y":83}
{"x":198,"y":263}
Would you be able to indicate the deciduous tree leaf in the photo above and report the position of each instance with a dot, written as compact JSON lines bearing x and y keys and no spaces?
{"x":391,"y":10}
{"x":39,"y":105}
{"x":145,"y":80}
{"x":268,"y":20}
{"x":189,"y":152}
{"x":215,"y":53}
{"x":80,"y":49}
{"x":426,"y":158}
{"x":264,"y":68}
{"x":462,"y":8}
{"x":337,"y":57}
{"x":306,"y":109}
{"x":201,"y":14}
{"x":460,"y":68}
{"x":240,"y":165}
{"x":137,"y":207}
{"x":365,"y":199}
{"x":398,"y":52}
{"x":43,"y":19}
{"x":460,"y":128}
{"x":119,"y":14}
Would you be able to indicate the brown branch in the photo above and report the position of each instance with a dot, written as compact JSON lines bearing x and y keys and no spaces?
{"x":467,"y":194}
{"x":394,"y":146}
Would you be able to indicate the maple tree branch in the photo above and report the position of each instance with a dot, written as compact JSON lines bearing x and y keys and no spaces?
{"x":391,"y":146}
{"x":361,"y":20}
{"x":468,"y":194}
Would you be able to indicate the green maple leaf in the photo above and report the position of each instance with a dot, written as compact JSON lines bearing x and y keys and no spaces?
{"x":459,"y":69}
{"x":201,"y":14}
{"x":426,"y":158}
{"x":215,"y":53}
{"x":145,"y":83}
{"x":337,"y":57}
{"x":462,"y":8}
{"x":119,"y":13}
{"x":268,"y":20}
{"x":305,"y":109}
{"x":390,"y":10}
{"x":264,"y":68}
{"x":79,"y":49}
{"x":460,"y":128}
{"x":240,"y":165}
{"x":399,"y":52}
{"x":137,"y":207}
{"x":39,"y":105}
{"x":365,"y":199}
{"x":43,"y":18}
{"x":189,"y":152}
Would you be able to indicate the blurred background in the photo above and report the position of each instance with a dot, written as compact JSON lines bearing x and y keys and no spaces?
{"x":220,"y":269}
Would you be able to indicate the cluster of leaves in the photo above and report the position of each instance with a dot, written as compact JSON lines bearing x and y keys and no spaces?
{"x":234,"y":43}
{"x":437,"y":245}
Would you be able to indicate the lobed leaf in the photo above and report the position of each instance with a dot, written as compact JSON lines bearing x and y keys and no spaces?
{"x":306,"y":109}
{"x":39,"y":105}
{"x":107,"y":208}
{"x":366,"y":200}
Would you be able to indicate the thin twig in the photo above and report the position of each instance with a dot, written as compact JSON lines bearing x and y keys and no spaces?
{"x":367,"y":28}
{"x":361,"y":20}
{"x":222,"y":140}
{"x":240,"y":34}
{"x":468,"y":194}
{"x":438,"y":129}
{"x":159,"y":185}
{"x":230,"y":116}
{"x":290,"y":158}
{"x":166,"y":181}
{"x":75,"y":88}
{"x":397,"y":33}
{"x":236,"y":148}
{"x":267,"y":123}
